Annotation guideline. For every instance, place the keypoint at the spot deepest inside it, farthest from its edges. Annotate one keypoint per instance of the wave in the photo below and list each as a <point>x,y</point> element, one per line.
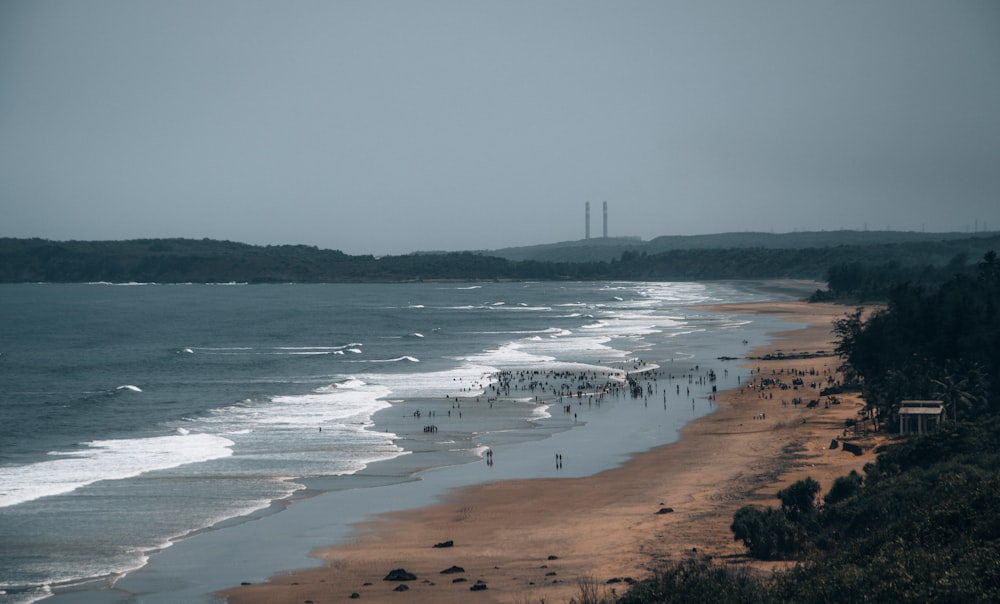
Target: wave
<point>344,405</point>
<point>394,360</point>
<point>353,347</point>
<point>351,383</point>
<point>129,387</point>
<point>124,283</point>
<point>106,460</point>
<point>468,379</point>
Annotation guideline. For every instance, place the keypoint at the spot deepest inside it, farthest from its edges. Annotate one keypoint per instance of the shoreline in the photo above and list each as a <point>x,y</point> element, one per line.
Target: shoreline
<point>534,539</point>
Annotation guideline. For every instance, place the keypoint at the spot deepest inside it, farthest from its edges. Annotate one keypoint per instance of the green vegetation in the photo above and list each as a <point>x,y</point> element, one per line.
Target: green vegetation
<point>923,522</point>
<point>209,261</point>
<point>856,281</point>
<point>939,344</point>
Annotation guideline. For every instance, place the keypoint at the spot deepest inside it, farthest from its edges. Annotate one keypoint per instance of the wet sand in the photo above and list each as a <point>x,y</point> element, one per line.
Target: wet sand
<point>529,540</point>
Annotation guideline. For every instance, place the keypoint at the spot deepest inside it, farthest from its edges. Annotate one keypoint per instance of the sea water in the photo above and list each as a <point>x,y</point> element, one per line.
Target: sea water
<point>133,415</point>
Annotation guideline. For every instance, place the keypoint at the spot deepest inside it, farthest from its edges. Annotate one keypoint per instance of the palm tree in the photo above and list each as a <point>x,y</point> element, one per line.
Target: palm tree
<point>967,390</point>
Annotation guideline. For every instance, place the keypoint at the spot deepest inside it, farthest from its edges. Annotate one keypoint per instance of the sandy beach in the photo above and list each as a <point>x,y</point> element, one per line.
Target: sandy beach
<point>535,540</point>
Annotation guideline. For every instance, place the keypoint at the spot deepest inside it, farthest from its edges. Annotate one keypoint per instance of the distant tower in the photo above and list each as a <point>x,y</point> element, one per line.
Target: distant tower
<point>588,220</point>
<point>605,220</point>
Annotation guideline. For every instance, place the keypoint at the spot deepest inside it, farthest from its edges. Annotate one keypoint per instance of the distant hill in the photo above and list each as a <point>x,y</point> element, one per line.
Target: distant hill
<point>809,256</point>
<point>607,248</point>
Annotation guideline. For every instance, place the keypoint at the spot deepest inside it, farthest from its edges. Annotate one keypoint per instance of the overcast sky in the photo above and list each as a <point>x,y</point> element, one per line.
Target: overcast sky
<point>385,127</point>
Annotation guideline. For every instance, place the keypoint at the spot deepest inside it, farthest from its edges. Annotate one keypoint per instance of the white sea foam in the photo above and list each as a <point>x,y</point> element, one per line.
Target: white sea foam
<point>274,350</point>
<point>392,360</point>
<point>350,402</point>
<point>469,379</point>
<point>106,460</point>
<point>325,431</point>
<point>129,387</point>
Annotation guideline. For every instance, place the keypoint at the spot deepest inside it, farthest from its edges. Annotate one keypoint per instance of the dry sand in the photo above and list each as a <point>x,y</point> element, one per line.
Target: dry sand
<point>535,540</point>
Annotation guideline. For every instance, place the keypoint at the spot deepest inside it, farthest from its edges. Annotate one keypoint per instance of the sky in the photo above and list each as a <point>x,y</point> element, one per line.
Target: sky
<point>391,126</point>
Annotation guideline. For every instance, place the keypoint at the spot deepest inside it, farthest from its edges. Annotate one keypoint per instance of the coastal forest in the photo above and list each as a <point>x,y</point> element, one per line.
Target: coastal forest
<point>812,256</point>
<point>922,523</point>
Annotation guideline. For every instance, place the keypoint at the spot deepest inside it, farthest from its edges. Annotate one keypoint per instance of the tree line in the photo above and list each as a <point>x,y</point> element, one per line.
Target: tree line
<point>212,261</point>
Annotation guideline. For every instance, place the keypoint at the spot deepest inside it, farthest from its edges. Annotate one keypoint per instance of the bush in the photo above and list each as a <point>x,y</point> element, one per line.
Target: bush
<point>697,582</point>
<point>768,534</point>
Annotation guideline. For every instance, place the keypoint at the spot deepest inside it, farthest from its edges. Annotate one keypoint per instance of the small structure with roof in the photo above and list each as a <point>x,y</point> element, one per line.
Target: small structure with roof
<point>920,417</point>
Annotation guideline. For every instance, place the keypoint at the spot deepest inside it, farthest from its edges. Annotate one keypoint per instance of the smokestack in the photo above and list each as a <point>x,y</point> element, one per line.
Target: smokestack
<point>588,220</point>
<point>605,220</point>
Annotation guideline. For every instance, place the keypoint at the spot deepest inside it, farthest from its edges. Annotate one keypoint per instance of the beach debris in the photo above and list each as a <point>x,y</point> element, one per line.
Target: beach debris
<point>665,511</point>
<point>448,543</point>
<point>452,570</point>
<point>400,574</point>
<point>480,585</point>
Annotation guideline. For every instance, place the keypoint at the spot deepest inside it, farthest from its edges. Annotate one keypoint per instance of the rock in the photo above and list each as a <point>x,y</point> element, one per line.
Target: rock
<point>479,586</point>
<point>401,587</point>
<point>452,570</point>
<point>400,574</point>
<point>665,511</point>
<point>834,444</point>
<point>852,448</point>
<point>355,595</point>
<point>459,580</point>
<point>553,557</point>
<point>448,543</point>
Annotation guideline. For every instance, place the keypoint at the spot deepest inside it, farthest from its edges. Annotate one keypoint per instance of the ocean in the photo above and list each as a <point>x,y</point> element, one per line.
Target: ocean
<point>139,419</point>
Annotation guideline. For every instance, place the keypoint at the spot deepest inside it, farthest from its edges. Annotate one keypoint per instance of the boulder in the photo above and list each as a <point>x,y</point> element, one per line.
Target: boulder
<point>400,574</point>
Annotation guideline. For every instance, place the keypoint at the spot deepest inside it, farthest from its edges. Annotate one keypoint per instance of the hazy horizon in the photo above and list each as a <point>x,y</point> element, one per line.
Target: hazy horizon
<point>391,127</point>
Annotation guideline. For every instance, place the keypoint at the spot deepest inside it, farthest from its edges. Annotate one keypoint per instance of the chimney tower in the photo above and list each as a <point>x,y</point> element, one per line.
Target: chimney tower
<point>588,221</point>
<point>605,220</point>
